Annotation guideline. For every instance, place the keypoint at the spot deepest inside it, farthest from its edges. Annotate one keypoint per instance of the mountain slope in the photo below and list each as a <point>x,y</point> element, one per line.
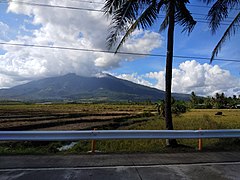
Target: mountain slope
<point>73,87</point>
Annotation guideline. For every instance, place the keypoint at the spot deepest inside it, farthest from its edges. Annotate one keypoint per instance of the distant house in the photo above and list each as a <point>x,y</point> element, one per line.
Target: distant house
<point>238,106</point>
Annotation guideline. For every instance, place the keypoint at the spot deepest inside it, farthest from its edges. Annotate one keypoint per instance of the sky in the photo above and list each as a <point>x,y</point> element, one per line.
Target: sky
<point>84,29</point>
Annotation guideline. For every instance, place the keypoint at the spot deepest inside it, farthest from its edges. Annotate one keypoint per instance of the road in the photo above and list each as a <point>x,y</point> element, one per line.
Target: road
<point>204,165</point>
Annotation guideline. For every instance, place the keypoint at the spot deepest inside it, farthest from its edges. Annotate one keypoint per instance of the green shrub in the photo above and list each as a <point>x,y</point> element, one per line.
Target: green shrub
<point>178,109</point>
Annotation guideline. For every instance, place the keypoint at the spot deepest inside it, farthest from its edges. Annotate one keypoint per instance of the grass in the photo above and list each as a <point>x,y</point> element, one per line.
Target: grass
<point>192,120</point>
<point>71,108</point>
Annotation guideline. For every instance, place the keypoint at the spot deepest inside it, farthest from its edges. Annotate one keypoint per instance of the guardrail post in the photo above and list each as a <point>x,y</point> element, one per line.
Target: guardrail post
<point>93,143</point>
<point>200,143</point>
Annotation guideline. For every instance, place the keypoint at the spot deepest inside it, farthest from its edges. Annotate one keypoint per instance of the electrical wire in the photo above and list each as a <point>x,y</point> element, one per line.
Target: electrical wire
<point>55,6</point>
<point>112,52</point>
<point>91,2</point>
<point>103,51</point>
<point>88,9</point>
<point>206,6</point>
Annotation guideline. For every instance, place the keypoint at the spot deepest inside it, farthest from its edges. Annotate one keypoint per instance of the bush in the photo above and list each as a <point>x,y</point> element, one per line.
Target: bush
<point>178,109</point>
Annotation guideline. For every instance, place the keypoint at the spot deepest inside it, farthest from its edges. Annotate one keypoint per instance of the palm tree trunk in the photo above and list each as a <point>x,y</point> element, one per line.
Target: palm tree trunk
<point>168,77</point>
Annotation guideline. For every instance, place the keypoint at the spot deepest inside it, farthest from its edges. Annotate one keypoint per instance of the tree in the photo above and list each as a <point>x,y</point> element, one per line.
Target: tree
<point>219,12</point>
<point>127,15</point>
<point>160,105</point>
<point>177,107</point>
<point>208,102</point>
<point>194,99</point>
<point>220,101</point>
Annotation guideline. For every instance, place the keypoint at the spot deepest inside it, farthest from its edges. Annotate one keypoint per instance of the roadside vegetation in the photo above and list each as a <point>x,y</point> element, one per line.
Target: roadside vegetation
<point>218,101</point>
<point>113,116</point>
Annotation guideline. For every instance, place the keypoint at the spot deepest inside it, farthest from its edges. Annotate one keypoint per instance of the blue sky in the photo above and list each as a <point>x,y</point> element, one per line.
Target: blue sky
<point>25,24</point>
<point>199,43</point>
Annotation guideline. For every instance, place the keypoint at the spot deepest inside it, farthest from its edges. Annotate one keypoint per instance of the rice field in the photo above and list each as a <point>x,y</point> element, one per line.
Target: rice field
<point>112,116</point>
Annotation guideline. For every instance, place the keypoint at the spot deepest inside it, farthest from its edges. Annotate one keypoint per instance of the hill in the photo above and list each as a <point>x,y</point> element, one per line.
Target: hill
<point>72,87</point>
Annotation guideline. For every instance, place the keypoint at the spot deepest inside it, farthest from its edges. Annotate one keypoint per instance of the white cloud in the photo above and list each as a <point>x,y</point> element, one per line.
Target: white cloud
<point>143,42</point>
<point>135,78</point>
<point>5,81</point>
<point>70,28</point>
<point>4,28</point>
<point>203,79</point>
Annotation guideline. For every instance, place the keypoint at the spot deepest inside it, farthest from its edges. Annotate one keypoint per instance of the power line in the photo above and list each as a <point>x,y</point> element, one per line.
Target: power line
<point>205,15</point>
<point>202,19</point>
<point>224,24</point>
<point>55,6</point>
<point>86,9</point>
<point>112,52</point>
<point>83,9</point>
<point>193,5</point>
<point>206,6</point>
<point>93,2</point>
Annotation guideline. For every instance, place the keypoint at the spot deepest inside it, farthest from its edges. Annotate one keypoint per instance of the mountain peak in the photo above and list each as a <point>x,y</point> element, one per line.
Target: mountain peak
<point>78,88</point>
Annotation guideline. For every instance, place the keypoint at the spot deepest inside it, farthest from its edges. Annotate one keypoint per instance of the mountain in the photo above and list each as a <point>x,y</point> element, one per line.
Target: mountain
<point>77,88</point>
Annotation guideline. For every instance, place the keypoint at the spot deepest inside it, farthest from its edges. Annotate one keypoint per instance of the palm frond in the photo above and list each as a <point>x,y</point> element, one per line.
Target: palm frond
<point>164,24</point>
<point>111,5</point>
<point>227,34</point>
<point>148,17</point>
<point>145,20</point>
<point>160,5</point>
<point>233,4</point>
<point>184,17</point>
<point>230,3</point>
<point>120,19</point>
<point>219,11</point>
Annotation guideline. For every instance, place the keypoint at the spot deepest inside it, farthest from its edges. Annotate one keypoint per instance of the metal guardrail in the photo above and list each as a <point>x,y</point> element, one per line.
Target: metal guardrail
<point>116,134</point>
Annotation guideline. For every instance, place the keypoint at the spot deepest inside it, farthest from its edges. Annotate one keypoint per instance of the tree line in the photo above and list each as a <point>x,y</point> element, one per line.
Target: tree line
<point>218,101</point>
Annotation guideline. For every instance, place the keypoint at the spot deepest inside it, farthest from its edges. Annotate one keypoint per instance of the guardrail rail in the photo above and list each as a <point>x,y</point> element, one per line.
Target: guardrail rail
<point>116,134</point>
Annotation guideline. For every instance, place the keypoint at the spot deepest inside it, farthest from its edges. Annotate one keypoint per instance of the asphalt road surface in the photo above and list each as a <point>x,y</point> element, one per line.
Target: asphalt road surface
<point>214,165</point>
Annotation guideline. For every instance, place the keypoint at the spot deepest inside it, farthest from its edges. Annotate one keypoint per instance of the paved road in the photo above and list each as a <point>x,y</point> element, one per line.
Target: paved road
<point>221,165</point>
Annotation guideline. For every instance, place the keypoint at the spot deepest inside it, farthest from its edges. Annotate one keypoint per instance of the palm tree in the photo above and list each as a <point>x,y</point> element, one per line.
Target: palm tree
<point>194,99</point>
<point>219,12</point>
<point>160,105</point>
<point>127,15</point>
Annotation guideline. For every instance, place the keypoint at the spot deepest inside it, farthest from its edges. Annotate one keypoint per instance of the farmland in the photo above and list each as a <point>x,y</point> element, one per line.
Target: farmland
<point>70,116</point>
<point>111,116</point>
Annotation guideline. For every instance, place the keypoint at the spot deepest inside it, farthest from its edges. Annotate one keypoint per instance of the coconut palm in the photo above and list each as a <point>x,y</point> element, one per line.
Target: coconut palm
<point>160,105</point>
<point>219,12</point>
<point>128,15</point>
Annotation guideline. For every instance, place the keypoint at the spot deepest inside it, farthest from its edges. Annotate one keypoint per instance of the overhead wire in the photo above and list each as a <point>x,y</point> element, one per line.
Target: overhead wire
<point>207,6</point>
<point>91,2</point>
<point>54,6</point>
<point>113,52</point>
<point>95,50</point>
<point>84,9</point>
<point>193,5</point>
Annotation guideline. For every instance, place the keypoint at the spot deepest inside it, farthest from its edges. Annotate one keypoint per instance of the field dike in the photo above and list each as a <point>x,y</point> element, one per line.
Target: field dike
<point>106,121</point>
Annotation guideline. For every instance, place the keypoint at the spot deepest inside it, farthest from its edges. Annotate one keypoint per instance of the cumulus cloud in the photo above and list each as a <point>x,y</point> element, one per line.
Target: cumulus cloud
<point>67,28</point>
<point>135,78</point>
<point>4,30</point>
<point>203,79</point>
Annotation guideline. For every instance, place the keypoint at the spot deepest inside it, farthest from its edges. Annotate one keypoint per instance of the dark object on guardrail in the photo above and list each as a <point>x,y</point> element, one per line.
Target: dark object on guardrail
<point>219,113</point>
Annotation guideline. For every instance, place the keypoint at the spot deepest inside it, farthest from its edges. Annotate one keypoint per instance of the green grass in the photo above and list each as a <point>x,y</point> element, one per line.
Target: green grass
<point>192,120</point>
